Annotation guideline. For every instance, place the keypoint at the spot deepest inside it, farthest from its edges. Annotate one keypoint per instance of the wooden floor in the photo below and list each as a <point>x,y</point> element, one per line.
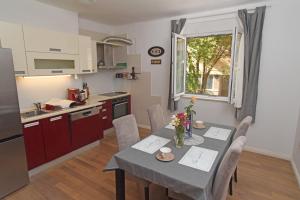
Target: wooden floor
<point>260,178</point>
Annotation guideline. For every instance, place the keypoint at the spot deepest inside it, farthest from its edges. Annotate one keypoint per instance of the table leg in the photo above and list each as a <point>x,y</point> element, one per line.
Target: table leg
<point>120,184</point>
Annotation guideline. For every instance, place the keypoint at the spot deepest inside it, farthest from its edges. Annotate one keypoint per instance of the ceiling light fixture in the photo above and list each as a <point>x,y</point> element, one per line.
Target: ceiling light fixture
<point>37,77</point>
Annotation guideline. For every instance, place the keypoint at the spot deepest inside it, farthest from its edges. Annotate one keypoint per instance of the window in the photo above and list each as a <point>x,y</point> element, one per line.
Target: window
<point>208,66</point>
<point>179,64</point>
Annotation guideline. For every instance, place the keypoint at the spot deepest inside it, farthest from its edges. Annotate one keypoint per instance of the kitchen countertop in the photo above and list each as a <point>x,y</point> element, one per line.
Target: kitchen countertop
<point>95,100</point>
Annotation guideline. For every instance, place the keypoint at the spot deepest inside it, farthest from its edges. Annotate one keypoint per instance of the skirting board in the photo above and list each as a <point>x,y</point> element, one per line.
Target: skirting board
<point>62,159</point>
<point>296,172</point>
<point>267,153</point>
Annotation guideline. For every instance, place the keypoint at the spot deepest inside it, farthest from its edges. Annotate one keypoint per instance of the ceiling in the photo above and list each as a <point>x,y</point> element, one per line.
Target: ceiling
<point>118,12</point>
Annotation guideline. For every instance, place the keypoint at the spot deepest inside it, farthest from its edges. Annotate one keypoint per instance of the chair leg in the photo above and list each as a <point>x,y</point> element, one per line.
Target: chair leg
<point>146,193</point>
<point>235,175</point>
<point>230,186</point>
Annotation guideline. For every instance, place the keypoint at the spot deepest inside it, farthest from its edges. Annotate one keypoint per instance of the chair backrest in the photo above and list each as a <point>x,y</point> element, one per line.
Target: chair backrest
<point>126,131</point>
<point>243,127</point>
<point>156,117</point>
<point>226,168</point>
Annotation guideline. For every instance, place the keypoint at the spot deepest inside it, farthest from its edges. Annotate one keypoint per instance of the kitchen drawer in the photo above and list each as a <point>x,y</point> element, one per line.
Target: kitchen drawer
<point>106,114</point>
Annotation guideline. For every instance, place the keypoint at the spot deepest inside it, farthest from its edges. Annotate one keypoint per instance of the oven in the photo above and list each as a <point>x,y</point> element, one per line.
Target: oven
<point>120,107</point>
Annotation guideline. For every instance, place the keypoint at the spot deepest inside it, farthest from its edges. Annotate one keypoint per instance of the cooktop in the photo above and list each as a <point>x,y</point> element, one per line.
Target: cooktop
<point>111,94</point>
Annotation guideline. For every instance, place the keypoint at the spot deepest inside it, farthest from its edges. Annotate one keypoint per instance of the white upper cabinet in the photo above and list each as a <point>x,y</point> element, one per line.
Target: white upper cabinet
<point>41,64</point>
<point>11,36</point>
<point>41,40</point>
<point>85,55</point>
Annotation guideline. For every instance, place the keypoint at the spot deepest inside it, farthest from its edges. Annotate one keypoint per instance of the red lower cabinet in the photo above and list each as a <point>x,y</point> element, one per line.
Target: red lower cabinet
<point>56,136</point>
<point>86,131</point>
<point>106,114</point>
<point>34,144</point>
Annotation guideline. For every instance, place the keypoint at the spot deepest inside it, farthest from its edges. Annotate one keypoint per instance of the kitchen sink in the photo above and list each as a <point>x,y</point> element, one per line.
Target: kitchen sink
<point>33,113</point>
<point>111,94</point>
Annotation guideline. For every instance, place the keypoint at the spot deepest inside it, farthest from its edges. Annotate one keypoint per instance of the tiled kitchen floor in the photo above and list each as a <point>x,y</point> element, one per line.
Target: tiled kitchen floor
<point>260,178</point>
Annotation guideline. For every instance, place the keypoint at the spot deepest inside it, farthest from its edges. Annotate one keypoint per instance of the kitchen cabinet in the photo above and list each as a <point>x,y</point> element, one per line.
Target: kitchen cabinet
<point>11,36</point>
<point>109,55</point>
<point>51,63</point>
<point>106,114</point>
<point>34,144</point>
<point>85,55</point>
<point>56,136</point>
<point>46,41</point>
<point>129,104</point>
<point>86,127</point>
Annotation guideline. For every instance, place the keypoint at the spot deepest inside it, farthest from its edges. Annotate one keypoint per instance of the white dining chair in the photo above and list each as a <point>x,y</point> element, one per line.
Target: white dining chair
<point>224,172</point>
<point>241,130</point>
<point>128,134</point>
<point>156,117</point>
<point>243,127</point>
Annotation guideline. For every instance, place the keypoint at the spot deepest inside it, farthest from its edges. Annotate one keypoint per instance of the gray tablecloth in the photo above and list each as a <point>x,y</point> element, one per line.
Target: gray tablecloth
<point>194,183</point>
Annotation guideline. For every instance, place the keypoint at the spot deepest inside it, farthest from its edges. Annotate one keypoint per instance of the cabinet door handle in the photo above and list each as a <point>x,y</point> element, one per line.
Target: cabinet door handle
<point>86,70</point>
<point>105,117</point>
<point>55,118</point>
<point>88,113</point>
<point>32,124</point>
<point>55,49</point>
<point>104,110</point>
<point>57,71</point>
<point>19,72</point>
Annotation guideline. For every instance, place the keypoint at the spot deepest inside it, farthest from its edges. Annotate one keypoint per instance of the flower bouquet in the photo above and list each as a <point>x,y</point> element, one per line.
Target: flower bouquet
<point>179,122</point>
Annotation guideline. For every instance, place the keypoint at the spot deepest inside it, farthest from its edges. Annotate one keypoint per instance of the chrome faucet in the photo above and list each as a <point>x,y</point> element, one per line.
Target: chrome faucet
<point>38,106</point>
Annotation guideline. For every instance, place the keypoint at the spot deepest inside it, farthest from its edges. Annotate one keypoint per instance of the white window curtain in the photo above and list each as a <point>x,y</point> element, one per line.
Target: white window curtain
<point>236,97</point>
<point>238,73</point>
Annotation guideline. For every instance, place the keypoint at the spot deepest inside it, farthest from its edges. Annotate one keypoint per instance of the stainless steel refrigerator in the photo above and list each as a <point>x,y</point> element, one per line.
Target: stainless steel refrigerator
<point>13,167</point>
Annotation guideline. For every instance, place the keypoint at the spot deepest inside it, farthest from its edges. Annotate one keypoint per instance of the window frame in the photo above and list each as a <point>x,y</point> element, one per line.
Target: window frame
<point>207,34</point>
<point>174,62</point>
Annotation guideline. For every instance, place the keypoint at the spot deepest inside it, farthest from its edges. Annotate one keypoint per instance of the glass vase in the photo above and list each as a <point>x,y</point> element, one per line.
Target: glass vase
<point>179,140</point>
<point>189,128</point>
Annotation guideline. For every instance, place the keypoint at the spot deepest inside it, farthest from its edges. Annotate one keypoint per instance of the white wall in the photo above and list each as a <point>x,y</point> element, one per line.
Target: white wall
<point>278,98</point>
<point>146,35</point>
<point>34,13</point>
<point>41,89</point>
<point>296,152</point>
<point>94,26</point>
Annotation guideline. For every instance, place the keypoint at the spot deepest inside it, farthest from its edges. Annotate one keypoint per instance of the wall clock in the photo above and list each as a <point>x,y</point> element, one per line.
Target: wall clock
<point>156,51</point>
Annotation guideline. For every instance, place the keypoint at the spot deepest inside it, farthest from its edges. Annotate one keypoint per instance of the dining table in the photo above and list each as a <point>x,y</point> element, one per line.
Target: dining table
<point>177,175</point>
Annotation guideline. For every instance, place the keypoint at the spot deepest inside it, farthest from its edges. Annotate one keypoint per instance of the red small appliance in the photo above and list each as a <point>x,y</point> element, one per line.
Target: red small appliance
<point>73,94</point>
